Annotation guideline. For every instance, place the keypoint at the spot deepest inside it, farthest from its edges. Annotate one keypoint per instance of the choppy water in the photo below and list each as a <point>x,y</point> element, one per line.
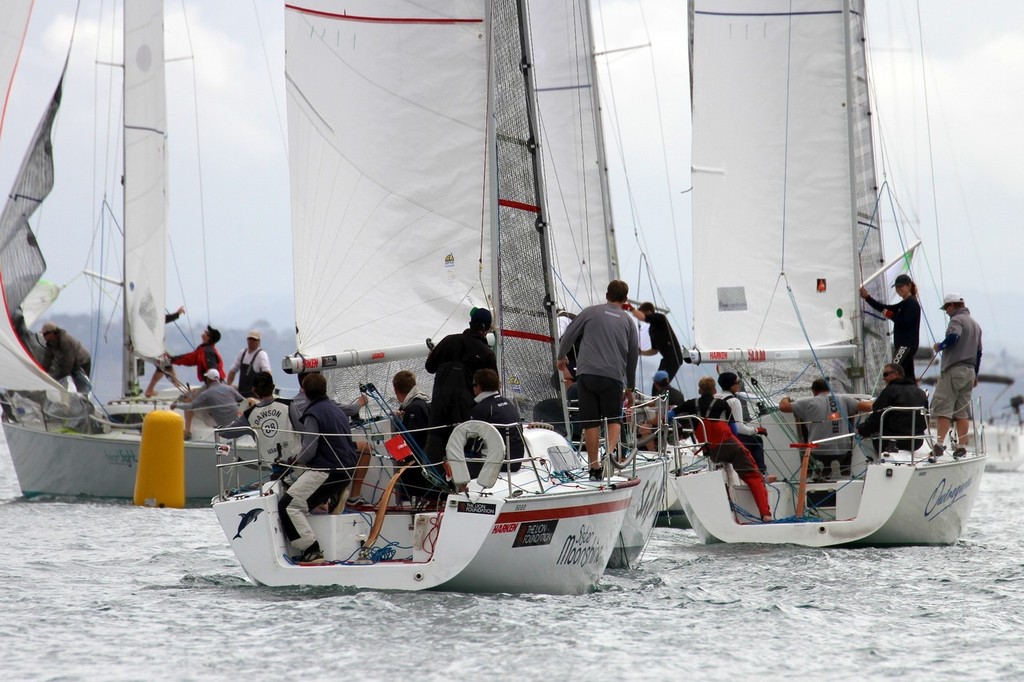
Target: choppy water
<point>94,590</point>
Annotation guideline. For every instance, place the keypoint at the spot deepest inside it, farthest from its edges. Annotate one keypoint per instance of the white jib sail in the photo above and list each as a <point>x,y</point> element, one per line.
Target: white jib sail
<point>583,255</point>
<point>387,121</point>
<point>771,175</point>
<point>145,183</point>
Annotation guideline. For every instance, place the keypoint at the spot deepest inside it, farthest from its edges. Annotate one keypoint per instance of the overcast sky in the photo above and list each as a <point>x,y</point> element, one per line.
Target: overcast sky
<point>960,155</point>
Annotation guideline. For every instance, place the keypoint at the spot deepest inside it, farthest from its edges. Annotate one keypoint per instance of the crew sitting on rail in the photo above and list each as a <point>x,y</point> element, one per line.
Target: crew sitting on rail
<point>494,408</point>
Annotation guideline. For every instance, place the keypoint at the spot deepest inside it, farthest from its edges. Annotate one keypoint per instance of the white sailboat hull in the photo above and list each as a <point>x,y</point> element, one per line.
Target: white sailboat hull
<point>642,513</point>
<point>1005,447</point>
<point>894,504</point>
<point>100,465</point>
<point>673,511</point>
<point>549,543</point>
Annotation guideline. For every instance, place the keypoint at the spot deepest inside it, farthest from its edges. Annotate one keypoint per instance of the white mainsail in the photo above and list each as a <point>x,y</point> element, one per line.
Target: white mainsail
<point>16,14</point>
<point>583,245</point>
<point>387,113</point>
<point>784,225</point>
<point>145,177</point>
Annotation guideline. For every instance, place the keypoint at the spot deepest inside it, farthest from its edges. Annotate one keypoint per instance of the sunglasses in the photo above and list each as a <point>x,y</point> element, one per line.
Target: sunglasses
<point>888,374</point>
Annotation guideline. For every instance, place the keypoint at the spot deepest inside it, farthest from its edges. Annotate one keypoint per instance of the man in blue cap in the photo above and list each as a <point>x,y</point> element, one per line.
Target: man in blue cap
<point>453,361</point>
<point>663,384</point>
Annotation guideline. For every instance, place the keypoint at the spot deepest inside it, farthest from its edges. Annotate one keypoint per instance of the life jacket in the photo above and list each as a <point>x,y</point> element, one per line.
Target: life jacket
<point>275,440</point>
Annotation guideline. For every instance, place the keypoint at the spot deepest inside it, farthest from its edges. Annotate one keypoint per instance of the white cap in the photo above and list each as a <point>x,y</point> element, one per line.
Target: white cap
<point>212,375</point>
<point>952,298</point>
<point>254,334</point>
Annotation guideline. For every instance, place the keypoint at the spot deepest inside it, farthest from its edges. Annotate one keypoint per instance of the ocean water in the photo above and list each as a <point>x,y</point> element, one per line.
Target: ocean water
<point>101,591</point>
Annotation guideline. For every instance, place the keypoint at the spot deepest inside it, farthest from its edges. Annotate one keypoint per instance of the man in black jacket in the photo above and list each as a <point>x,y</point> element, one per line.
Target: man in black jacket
<point>452,362</point>
<point>663,339</point>
<point>494,408</point>
<point>899,391</point>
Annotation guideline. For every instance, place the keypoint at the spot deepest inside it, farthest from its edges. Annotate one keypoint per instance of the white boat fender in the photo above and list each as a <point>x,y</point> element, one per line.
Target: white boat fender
<point>493,451</point>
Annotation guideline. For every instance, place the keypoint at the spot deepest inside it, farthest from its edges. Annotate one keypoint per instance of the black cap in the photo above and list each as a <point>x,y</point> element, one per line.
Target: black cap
<point>902,279</point>
<point>213,334</point>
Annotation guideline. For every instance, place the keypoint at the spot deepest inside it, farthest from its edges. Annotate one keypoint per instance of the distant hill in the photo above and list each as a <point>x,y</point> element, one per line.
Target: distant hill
<point>999,328</point>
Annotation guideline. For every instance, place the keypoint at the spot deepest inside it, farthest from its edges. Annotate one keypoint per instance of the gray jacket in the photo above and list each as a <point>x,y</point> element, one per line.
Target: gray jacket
<point>967,348</point>
<point>220,399</point>
<point>64,355</point>
<point>609,346</point>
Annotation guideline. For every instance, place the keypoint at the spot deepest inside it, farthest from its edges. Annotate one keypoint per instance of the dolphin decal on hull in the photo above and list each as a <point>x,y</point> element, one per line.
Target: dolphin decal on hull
<point>247,518</point>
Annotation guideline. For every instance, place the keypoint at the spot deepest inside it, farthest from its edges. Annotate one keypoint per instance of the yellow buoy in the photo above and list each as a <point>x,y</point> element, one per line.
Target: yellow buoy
<point>160,479</point>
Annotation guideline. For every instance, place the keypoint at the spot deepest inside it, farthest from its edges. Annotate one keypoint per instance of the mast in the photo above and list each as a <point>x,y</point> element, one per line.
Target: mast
<point>538,177</point>
<point>129,371</point>
<point>857,373</point>
<point>525,291</point>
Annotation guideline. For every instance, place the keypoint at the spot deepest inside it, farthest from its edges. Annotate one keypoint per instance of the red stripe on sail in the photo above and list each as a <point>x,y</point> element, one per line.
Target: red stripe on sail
<point>382,20</point>
<point>519,205</point>
<point>527,335</point>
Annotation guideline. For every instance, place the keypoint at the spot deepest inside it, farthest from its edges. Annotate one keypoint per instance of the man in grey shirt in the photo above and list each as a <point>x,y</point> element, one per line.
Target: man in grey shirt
<point>217,403</point>
<point>961,362</point>
<point>605,367</point>
<point>825,415</point>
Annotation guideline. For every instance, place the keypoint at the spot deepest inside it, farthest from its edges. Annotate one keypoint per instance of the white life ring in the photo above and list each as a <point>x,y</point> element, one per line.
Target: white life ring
<point>493,451</point>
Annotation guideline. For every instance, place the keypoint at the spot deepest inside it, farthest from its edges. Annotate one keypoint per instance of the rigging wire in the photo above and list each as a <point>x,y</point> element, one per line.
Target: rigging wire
<point>928,134</point>
<point>639,235</point>
<point>270,78</point>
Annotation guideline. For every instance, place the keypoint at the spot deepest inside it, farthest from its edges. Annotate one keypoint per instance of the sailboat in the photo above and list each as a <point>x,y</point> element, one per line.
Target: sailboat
<point>62,444</point>
<point>785,233</point>
<point>415,195</point>
<point>584,255</point>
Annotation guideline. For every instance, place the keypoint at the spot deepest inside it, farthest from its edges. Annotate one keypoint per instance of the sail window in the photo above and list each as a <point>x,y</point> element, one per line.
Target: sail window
<point>732,299</point>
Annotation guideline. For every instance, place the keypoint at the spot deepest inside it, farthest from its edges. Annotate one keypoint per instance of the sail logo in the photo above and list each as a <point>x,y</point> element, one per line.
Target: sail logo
<point>514,383</point>
<point>581,549</point>
<point>500,528</point>
<point>944,496</point>
<point>535,534</point>
<point>449,261</point>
